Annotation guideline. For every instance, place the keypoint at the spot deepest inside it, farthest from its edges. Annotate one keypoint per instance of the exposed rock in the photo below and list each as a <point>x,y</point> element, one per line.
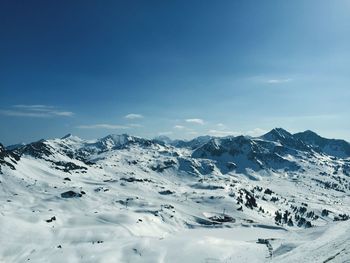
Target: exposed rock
<point>70,194</point>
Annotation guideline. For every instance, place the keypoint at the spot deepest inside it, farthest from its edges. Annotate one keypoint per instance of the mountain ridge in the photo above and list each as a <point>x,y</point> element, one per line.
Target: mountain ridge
<point>70,194</point>
<point>276,134</point>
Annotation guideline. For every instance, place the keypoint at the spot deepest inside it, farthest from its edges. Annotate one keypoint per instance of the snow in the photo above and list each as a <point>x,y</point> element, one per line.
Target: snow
<point>150,202</point>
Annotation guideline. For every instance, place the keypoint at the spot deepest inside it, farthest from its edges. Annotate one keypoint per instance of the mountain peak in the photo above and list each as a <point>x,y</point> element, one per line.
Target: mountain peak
<point>277,134</point>
<point>69,135</point>
<point>308,133</point>
<point>15,146</point>
<point>114,141</point>
<point>334,147</point>
<point>116,137</point>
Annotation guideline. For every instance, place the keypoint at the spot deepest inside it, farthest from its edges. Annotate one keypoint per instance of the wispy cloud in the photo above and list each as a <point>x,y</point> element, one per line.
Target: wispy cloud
<point>62,113</point>
<point>14,113</point>
<point>179,127</point>
<point>103,126</point>
<point>135,125</point>
<point>165,133</point>
<point>132,116</point>
<point>270,79</point>
<point>34,107</point>
<point>278,81</point>
<point>35,111</point>
<point>196,121</point>
<point>221,126</point>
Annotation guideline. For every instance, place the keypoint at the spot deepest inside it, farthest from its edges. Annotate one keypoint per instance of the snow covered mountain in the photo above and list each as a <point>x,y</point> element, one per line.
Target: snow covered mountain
<point>334,147</point>
<point>280,197</point>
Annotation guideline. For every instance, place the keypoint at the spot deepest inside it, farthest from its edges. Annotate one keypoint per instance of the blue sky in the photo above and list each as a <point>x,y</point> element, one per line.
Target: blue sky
<point>176,68</point>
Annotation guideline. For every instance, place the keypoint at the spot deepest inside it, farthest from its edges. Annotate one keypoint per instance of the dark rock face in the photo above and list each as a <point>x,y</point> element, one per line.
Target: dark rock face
<point>51,219</point>
<point>268,191</point>
<point>341,217</point>
<point>37,149</point>
<point>163,166</point>
<point>166,192</point>
<point>71,194</point>
<point>68,166</point>
<point>133,179</point>
<point>12,158</point>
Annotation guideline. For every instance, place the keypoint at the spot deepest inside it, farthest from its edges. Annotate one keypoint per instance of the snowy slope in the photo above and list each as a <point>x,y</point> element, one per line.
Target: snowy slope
<point>122,198</point>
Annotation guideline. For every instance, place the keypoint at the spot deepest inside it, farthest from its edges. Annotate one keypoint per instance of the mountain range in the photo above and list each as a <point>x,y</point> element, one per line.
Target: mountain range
<point>279,197</point>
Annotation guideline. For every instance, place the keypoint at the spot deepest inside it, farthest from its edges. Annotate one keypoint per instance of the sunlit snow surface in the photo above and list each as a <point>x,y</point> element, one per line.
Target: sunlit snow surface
<point>156,203</point>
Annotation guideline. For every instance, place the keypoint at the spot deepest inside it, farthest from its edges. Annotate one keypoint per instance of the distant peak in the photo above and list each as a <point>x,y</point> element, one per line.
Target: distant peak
<point>69,135</point>
<point>280,131</point>
<point>116,136</point>
<point>309,132</point>
<point>277,133</point>
<point>308,135</point>
<point>14,146</point>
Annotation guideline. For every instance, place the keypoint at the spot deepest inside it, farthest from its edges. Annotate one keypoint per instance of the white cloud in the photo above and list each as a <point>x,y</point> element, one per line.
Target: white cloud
<point>135,125</point>
<point>35,111</point>
<point>221,126</point>
<point>132,116</point>
<point>14,113</point>
<point>34,107</point>
<point>165,133</point>
<point>62,113</point>
<point>103,126</point>
<point>179,127</point>
<point>196,121</point>
<point>278,81</point>
<point>270,80</point>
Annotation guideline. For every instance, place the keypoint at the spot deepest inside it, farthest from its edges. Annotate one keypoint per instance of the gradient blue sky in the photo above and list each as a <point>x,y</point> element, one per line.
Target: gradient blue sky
<point>178,68</point>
